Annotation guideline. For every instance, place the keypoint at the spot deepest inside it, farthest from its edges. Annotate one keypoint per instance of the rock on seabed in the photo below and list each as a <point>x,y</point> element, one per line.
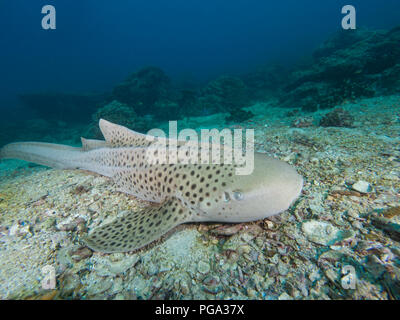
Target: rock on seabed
<point>321,232</point>
<point>362,187</point>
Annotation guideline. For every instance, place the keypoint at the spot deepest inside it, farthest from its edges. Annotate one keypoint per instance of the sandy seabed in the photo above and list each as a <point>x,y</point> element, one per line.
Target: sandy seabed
<point>339,240</point>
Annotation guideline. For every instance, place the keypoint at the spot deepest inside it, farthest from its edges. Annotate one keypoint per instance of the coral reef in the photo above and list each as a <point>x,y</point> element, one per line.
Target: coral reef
<point>168,110</point>
<point>349,65</point>
<point>303,122</point>
<point>265,81</point>
<point>359,63</point>
<point>224,94</point>
<point>340,40</point>
<point>143,89</point>
<point>186,100</point>
<point>239,115</point>
<point>337,118</point>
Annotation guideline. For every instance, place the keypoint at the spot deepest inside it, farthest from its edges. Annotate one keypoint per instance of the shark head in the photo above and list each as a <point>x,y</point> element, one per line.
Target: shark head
<point>270,189</point>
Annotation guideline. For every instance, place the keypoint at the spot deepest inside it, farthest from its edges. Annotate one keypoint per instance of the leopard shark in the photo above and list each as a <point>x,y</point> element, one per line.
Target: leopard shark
<point>180,192</point>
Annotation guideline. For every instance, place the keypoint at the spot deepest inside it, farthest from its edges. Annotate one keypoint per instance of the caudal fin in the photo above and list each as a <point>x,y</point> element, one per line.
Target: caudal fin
<point>47,154</point>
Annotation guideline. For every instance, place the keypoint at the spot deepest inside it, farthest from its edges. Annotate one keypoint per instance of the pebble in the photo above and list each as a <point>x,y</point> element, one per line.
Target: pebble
<point>251,293</point>
<point>212,284</point>
<point>393,177</point>
<point>357,224</point>
<point>353,213</point>
<point>13,230</point>
<point>18,230</point>
<point>50,213</point>
<point>48,224</point>
<point>314,275</point>
<point>98,286</point>
<point>184,287</point>
<point>332,275</point>
<point>70,283</point>
<point>58,239</point>
<point>227,230</point>
<point>121,267</point>
<point>203,267</point>
<point>396,251</point>
<point>362,187</point>
<point>112,266</point>
<point>390,229</point>
<point>283,268</point>
<point>285,296</point>
<point>70,224</point>
<point>321,232</point>
<point>152,269</point>
<point>81,253</point>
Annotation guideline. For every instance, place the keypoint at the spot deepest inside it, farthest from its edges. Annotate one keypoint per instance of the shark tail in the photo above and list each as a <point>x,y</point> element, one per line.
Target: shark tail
<point>47,154</point>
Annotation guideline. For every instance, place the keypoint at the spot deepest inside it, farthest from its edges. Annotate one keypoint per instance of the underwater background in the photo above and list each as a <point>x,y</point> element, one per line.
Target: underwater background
<point>323,99</point>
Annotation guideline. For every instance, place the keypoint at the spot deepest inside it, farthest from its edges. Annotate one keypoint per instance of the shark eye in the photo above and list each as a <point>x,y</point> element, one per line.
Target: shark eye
<point>238,195</point>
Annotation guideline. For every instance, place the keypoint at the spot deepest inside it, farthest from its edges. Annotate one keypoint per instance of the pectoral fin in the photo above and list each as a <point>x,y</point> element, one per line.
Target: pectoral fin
<point>137,229</point>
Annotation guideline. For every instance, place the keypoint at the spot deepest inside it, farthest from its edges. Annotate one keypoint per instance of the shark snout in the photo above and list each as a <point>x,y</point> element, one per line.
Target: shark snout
<point>270,189</point>
<point>283,186</point>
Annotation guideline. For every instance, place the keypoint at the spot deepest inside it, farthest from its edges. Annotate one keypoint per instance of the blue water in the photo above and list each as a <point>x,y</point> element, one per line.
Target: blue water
<point>98,43</point>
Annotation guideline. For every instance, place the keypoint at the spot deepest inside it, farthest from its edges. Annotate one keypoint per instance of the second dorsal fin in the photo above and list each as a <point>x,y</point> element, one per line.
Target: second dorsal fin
<point>90,144</point>
<point>119,136</point>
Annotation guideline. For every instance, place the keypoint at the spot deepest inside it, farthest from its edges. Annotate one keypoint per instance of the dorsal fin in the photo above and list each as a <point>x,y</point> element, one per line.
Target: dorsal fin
<point>119,136</point>
<point>91,144</point>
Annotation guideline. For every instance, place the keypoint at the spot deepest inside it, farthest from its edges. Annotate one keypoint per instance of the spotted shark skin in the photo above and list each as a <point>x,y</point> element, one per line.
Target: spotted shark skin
<point>181,192</point>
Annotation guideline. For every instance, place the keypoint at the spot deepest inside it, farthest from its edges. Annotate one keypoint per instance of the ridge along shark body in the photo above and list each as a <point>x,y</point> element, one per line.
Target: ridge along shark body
<point>181,192</point>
